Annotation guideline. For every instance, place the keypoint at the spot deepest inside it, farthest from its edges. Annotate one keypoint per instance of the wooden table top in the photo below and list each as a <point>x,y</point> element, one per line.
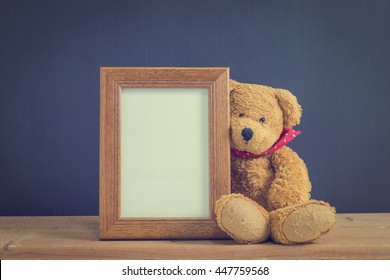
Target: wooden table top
<point>357,236</point>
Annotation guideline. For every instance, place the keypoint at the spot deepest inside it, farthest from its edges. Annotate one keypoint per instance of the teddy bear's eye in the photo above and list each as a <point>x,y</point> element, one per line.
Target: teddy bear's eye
<point>241,115</point>
<point>262,120</point>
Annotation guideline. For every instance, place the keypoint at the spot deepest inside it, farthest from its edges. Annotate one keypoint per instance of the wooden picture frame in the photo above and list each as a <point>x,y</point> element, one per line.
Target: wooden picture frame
<point>114,84</point>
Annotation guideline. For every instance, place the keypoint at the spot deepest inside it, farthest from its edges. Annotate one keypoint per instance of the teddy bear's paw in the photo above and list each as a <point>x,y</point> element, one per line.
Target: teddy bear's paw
<point>242,219</point>
<point>308,223</point>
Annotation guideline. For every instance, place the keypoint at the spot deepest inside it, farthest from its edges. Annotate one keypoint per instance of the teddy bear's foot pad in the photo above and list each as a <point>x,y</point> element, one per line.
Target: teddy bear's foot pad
<point>308,223</point>
<point>242,219</point>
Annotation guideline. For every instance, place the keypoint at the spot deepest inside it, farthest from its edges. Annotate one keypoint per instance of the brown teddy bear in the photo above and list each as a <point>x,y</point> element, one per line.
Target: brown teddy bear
<point>270,182</point>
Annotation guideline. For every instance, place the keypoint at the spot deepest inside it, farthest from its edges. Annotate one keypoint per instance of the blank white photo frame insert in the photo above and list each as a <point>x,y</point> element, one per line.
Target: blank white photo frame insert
<point>164,153</point>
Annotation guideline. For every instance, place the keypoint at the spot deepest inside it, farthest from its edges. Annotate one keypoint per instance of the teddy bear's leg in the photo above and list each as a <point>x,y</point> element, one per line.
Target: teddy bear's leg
<point>302,223</point>
<point>242,218</point>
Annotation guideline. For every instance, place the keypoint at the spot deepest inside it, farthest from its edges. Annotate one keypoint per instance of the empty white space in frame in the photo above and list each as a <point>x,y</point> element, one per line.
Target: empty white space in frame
<point>164,153</point>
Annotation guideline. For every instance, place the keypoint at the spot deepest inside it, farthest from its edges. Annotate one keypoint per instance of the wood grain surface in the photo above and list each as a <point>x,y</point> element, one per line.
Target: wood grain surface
<point>357,236</point>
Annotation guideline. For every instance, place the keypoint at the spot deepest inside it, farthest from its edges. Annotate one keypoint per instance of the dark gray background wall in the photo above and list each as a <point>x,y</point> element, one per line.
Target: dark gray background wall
<point>334,55</point>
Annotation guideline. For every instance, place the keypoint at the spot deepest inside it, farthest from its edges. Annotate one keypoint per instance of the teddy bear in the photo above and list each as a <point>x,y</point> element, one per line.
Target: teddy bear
<point>269,181</point>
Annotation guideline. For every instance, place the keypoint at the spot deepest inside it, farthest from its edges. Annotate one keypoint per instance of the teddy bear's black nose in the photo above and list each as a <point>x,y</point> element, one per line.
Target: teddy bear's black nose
<point>247,134</point>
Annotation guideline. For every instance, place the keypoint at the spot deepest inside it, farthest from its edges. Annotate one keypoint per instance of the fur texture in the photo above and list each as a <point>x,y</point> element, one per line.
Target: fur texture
<point>278,182</point>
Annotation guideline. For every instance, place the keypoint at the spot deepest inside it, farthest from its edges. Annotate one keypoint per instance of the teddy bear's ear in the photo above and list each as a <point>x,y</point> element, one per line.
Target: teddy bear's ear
<point>232,85</point>
<point>292,111</point>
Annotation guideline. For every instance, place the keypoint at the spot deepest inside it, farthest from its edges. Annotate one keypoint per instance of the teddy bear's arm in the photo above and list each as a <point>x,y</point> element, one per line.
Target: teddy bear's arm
<point>291,185</point>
